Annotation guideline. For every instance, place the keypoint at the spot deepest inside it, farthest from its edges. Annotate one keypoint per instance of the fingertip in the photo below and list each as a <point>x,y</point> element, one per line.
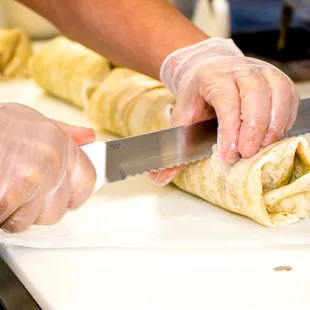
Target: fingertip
<point>230,157</point>
<point>11,226</point>
<point>82,180</point>
<point>163,177</point>
<point>156,179</point>
<point>79,197</point>
<point>228,152</point>
<point>47,220</point>
<point>251,138</point>
<point>55,203</point>
<point>80,135</point>
<point>248,150</point>
<point>272,136</point>
<point>24,216</point>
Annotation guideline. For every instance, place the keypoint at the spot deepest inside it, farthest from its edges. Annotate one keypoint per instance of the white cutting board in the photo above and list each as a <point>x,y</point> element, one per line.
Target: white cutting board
<point>135,213</point>
<point>202,267</point>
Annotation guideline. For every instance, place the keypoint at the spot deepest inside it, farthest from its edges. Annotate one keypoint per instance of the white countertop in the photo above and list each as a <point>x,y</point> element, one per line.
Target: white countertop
<point>117,279</point>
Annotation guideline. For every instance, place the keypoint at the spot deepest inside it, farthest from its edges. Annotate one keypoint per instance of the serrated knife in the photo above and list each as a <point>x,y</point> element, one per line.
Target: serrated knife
<point>116,160</point>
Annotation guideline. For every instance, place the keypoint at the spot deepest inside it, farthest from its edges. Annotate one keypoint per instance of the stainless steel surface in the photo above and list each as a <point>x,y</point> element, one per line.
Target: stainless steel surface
<point>159,150</point>
<point>302,123</point>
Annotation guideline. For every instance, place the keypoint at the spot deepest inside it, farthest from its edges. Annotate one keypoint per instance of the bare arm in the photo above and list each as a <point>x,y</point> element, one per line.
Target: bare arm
<point>137,34</point>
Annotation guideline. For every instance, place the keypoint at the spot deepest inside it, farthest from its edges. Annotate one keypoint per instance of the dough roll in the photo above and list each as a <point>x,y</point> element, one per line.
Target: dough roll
<point>15,51</point>
<point>273,187</point>
<point>128,103</point>
<point>68,70</point>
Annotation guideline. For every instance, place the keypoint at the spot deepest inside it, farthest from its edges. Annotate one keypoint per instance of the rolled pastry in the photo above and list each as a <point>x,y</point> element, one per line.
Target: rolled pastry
<point>15,51</point>
<point>125,97</point>
<point>68,70</point>
<point>272,187</point>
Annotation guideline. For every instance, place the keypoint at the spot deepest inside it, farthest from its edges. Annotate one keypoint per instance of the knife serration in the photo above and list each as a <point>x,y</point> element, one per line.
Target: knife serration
<point>159,150</point>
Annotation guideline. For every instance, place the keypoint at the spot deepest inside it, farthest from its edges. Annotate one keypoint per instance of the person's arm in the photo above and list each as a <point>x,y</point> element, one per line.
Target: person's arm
<point>138,34</point>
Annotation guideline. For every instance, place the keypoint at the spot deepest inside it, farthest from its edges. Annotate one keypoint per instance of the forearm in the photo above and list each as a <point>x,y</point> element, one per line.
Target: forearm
<point>137,34</point>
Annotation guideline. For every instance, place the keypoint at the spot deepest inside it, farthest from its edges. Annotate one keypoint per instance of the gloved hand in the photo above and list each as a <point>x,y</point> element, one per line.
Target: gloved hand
<point>43,172</point>
<point>255,103</point>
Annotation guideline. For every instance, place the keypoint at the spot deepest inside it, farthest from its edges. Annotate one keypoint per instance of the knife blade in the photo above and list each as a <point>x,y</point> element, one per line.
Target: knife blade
<point>302,123</point>
<point>117,159</point>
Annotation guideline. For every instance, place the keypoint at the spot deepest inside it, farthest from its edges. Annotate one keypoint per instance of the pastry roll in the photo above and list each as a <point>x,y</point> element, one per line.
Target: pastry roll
<point>272,187</point>
<point>68,70</point>
<point>125,97</point>
<point>15,51</point>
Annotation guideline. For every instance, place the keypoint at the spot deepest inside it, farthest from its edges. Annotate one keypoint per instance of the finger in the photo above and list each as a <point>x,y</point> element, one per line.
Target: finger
<point>6,210</point>
<point>9,200</point>
<point>255,110</point>
<point>163,177</point>
<point>223,94</point>
<point>190,109</point>
<point>24,216</point>
<point>282,105</point>
<point>82,176</point>
<point>190,105</point>
<point>80,135</point>
<point>55,203</point>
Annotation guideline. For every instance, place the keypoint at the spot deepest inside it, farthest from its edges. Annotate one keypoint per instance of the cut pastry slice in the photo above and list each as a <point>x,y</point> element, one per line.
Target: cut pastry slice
<point>273,187</point>
<point>68,70</point>
<point>114,101</point>
<point>15,51</point>
<point>153,109</point>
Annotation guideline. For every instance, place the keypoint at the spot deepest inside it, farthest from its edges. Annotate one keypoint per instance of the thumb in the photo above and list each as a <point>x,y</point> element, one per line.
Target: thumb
<point>190,108</point>
<point>80,135</point>
<point>163,177</point>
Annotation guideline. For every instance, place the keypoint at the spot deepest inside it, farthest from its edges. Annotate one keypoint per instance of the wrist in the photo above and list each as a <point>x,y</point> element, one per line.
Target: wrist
<point>176,64</point>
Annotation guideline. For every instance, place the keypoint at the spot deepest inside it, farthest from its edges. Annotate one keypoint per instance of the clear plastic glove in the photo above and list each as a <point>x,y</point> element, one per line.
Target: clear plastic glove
<point>43,171</point>
<point>255,102</point>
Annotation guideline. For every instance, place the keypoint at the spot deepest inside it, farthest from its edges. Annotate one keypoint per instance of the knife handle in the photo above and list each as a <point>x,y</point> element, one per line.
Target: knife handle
<point>96,152</point>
